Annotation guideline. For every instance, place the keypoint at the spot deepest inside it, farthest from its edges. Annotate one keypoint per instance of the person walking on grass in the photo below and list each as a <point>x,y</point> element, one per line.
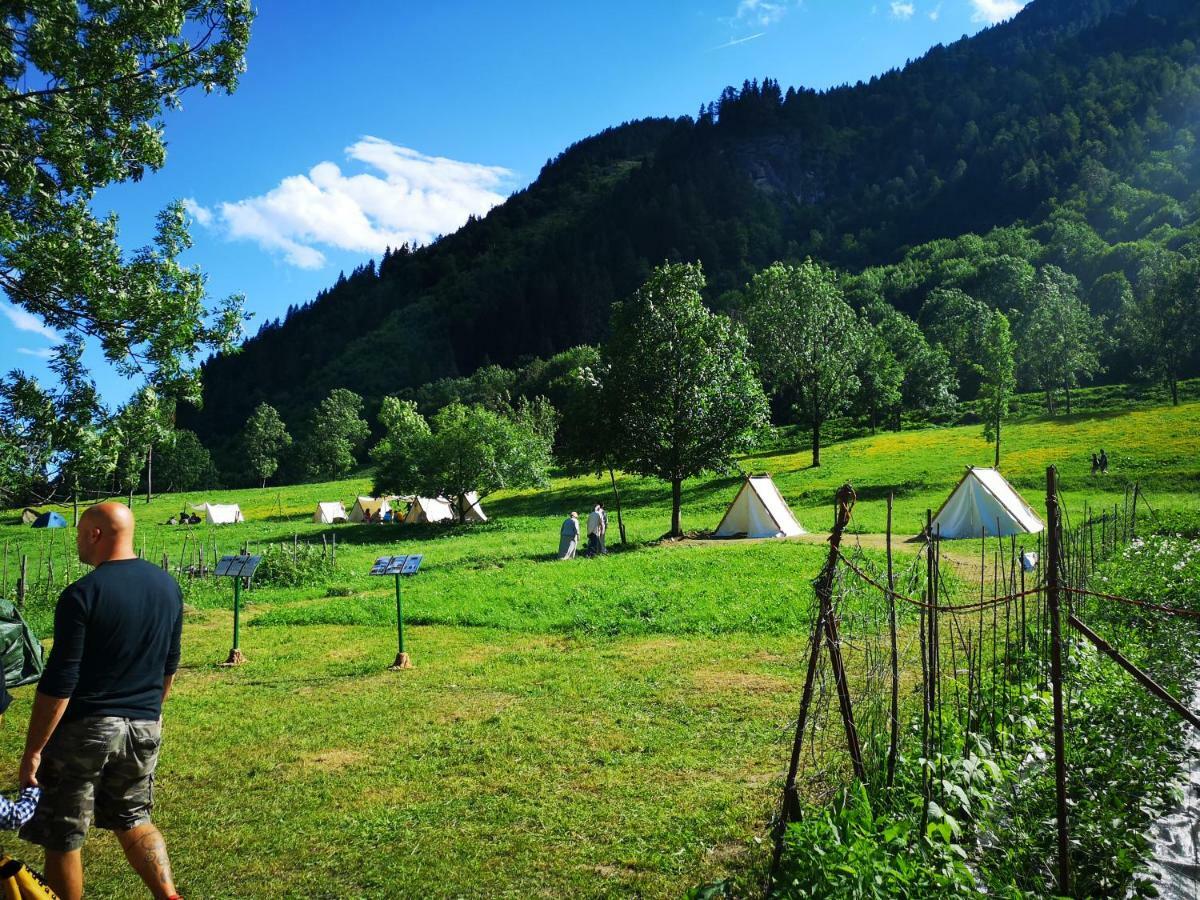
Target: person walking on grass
<point>603,528</point>
<point>568,537</point>
<point>1103,462</point>
<point>96,725</point>
<point>595,531</point>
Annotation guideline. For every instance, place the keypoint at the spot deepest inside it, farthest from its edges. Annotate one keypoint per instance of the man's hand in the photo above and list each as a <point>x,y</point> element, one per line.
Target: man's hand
<point>29,767</point>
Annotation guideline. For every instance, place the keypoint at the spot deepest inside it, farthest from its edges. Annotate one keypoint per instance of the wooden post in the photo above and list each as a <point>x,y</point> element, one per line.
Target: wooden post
<point>23,580</point>
<point>166,563</point>
<point>1054,538</point>
<point>824,591</point>
<point>894,740</point>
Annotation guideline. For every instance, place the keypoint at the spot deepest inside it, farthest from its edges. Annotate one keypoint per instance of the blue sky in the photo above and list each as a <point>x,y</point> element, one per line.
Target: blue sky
<point>392,121</point>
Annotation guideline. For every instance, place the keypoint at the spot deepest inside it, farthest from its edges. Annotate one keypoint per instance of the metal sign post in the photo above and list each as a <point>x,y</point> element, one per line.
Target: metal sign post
<point>400,567</point>
<point>237,568</point>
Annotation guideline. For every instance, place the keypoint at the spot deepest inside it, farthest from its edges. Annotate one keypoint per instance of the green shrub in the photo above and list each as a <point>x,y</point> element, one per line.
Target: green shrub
<point>294,566</point>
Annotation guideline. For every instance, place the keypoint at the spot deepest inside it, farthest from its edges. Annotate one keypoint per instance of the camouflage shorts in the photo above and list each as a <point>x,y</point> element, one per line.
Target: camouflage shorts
<point>100,764</point>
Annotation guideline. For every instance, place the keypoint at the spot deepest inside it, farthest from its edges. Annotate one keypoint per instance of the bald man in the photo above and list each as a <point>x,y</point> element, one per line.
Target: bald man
<point>97,715</point>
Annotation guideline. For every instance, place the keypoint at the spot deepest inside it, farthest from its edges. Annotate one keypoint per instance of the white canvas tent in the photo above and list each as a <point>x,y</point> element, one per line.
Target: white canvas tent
<point>429,509</point>
<point>328,513</point>
<point>366,507</point>
<point>474,511</point>
<point>220,513</point>
<point>758,511</point>
<point>984,503</point>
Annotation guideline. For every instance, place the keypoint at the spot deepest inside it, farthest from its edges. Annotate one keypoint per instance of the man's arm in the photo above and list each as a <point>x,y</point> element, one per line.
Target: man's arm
<point>47,712</point>
<point>167,682</point>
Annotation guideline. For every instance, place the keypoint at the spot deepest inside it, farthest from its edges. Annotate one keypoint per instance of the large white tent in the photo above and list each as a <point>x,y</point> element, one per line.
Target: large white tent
<point>221,513</point>
<point>366,507</point>
<point>429,509</point>
<point>328,513</point>
<point>758,511</point>
<point>984,503</point>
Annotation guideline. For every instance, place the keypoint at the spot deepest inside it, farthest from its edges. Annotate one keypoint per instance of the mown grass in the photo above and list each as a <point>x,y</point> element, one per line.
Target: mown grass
<point>598,727</point>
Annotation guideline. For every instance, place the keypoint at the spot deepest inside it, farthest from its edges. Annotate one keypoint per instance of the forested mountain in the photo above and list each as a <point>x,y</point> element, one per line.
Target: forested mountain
<point>1064,136</point>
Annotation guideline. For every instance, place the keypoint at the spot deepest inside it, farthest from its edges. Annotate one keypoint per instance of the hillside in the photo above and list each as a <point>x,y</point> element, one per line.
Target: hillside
<point>1068,128</point>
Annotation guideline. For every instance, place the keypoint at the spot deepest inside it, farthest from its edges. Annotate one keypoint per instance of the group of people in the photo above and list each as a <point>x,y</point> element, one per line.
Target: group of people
<point>1100,463</point>
<point>597,528</point>
<point>184,519</point>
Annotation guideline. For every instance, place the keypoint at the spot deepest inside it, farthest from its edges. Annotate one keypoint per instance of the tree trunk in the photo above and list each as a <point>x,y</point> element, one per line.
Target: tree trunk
<point>1174,382</point>
<point>75,506</point>
<point>816,444</point>
<point>676,493</point>
<point>996,462</point>
<point>1067,389</point>
<point>617,502</point>
<point>149,473</point>
<point>264,482</point>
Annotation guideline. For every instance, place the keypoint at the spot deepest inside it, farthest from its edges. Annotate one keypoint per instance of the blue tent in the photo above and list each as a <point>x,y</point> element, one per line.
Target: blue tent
<point>50,520</point>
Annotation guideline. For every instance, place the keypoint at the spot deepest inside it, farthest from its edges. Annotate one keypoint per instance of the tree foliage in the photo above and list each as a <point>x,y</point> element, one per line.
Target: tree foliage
<point>997,369</point>
<point>264,439</point>
<point>685,395</point>
<point>398,455</point>
<point>1060,340</point>
<point>334,435</point>
<point>83,89</point>
<point>1162,324</point>
<point>807,339</point>
<point>184,464</point>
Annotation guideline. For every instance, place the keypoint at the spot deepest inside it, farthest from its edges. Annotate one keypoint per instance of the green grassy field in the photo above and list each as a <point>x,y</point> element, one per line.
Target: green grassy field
<point>599,727</point>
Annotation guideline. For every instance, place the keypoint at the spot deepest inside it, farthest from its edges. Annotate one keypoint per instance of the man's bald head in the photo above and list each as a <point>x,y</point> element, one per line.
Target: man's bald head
<point>105,532</point>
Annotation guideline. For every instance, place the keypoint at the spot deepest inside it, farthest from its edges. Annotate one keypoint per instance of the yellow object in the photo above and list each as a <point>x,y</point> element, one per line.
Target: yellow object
<point>19,882</point>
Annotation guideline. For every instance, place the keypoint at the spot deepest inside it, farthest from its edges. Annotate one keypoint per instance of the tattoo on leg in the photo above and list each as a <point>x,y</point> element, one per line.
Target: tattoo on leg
<point>153,851</point>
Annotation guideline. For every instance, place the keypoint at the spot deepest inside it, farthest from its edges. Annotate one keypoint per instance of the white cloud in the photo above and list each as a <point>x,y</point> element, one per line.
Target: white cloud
<point>44,353</point>
<point>902,10</point>
<point>935,13</point>
<point>761,12</point>
<point>196,211</point>
<point>408,197</point>
<point>27,321</point>
<point>993,11</point>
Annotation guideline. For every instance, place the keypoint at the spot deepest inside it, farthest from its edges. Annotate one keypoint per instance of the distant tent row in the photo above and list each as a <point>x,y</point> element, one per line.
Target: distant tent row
<point>420,510</point>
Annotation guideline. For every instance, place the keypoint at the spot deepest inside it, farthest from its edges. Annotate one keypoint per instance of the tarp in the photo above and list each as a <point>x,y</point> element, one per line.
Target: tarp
<point>221,513</point>
<point>29,516</point>
<point>429,509</point>
<point>328,513</point>
<point>758,511</point>
<point>49,520</point>
<point>984,503</point>
<point>365,507</point>
<point>20,651</point>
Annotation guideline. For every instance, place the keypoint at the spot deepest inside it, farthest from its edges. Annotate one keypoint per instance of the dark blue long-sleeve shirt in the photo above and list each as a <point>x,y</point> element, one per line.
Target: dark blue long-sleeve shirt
<point>116,639</point>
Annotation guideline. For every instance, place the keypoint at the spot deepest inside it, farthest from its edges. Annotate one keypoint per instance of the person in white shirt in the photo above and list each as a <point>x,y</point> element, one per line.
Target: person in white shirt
<point>595,527</point>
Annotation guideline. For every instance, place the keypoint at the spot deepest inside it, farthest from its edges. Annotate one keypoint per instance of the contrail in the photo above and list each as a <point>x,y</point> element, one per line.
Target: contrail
<point>738,41</point>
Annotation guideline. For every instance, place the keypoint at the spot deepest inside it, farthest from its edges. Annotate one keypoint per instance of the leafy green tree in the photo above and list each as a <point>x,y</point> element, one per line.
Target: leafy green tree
<point>397,456</point>
<point>83,89</point>
<point>681,382</point>
<point>1162,324</point>
<point>335,433</point>
<point>997,369</point>
<point>880,379</point>
<point>958,323</point>
<point>472,448</point>
<point>27,423</point>
<point>928,386</point>
<point>184,464</point>
<point>264,438</point>
<point>806,338</point>
<point>138,426</point>
<point>1060,341</point>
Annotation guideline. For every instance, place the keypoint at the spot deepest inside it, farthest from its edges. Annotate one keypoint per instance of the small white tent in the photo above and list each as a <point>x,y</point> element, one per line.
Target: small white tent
<point>366,507</point>
<point>758,511</point>
<point>429,509</point>
<point>474,512</point>
<point>328,513</point>
<point>221,513</point>
<point>984,503</point>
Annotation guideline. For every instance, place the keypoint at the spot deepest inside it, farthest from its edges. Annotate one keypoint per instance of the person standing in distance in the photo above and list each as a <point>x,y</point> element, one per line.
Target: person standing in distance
<point>96,724</point>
